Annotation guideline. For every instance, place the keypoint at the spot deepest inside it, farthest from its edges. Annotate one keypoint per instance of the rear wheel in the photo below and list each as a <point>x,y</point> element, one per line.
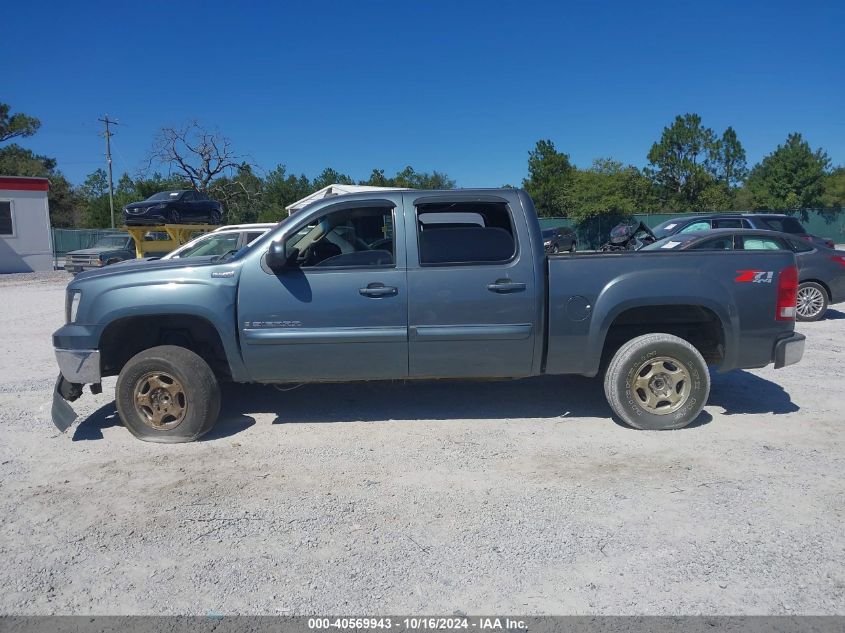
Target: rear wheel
<point>657,382</point>
<point>572,247</point>
<point>812,301</point>
<point>167,394</point>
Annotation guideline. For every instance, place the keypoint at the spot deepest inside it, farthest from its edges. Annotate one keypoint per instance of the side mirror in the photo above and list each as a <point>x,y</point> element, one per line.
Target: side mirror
<point>279,259</point>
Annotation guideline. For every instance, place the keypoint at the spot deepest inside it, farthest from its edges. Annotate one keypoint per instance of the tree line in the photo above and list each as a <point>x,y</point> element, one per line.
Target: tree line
<point>690,168</point>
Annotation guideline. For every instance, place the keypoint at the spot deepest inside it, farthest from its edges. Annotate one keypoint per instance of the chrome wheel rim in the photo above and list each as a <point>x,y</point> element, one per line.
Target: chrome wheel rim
<point>160,400</point>
<point>661,385</point>
<point>810,302</point>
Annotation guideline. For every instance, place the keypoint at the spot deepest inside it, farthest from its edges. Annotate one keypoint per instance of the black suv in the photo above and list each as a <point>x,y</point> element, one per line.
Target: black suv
<point>185,206</point>
<point>559,239</point>
<point>765,221</point>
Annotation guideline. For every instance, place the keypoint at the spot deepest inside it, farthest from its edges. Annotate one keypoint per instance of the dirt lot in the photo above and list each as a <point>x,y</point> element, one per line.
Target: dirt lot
<point>508,497</point>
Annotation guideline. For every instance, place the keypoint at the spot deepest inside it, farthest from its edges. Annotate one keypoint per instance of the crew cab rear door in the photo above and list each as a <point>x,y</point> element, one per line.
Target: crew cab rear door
<point>341,312</point>
<point>472,286</point>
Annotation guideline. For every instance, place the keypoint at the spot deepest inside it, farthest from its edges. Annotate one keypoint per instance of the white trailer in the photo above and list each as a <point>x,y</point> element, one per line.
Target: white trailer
<point>26,243</point>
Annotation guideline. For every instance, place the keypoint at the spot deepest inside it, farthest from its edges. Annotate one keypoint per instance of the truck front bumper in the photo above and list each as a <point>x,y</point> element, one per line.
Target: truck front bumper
<point>79,365</point>
<point>789,350</point>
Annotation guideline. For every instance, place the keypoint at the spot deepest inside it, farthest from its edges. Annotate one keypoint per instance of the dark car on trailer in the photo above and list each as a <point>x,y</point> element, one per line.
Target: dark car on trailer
<point>559,239</point>
<point>761,221</point>
<point>183,206</point>
<point>821,270</point>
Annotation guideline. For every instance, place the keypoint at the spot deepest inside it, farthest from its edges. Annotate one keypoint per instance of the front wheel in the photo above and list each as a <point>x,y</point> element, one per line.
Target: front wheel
<point>167,394</point>
<point>657,382</point>
<point>812,301</point>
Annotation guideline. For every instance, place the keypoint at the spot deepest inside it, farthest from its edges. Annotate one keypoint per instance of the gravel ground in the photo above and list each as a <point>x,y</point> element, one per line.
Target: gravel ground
<point>508,497</point>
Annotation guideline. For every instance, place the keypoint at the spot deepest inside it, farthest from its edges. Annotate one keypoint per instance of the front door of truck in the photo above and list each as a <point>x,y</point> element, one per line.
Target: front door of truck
<point>473,298</point>
<point>339,311</point>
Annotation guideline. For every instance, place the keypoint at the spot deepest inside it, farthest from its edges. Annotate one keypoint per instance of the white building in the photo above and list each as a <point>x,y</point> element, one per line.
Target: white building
<point>25,239</point>
<point>335,190</point>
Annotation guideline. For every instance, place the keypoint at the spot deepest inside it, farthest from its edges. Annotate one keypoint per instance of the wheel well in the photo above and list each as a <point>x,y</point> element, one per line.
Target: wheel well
<point>696,324</point>
<point>124,338</point>
<point>822,284</point>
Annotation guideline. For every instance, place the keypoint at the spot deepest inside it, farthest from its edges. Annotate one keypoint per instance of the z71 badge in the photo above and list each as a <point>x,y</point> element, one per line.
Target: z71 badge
<point>754,276</point>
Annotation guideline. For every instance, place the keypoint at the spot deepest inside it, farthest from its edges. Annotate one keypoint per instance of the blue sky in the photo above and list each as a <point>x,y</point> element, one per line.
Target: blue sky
<point>462,87</point>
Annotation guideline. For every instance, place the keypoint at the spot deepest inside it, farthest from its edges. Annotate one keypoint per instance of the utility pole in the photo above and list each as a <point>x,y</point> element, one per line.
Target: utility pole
<point>108,136</point>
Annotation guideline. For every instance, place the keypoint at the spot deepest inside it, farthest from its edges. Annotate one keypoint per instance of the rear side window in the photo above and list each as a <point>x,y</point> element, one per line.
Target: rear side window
<point>6,225</point>
<point>727,224</point>
<point>784,225</point>
<point>799,245</point>
<point>251,237</point>
<point>465,233</point>
<point>755,243</point>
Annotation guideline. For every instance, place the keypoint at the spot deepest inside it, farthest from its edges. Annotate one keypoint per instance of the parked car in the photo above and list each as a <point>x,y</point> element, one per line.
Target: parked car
<point>108,250</point>
<point>821,270</point>
<point>174,207</point>
<point>371,286</point>
<point>221,241</point>
<point>559,239</point>
<point>761,221</point>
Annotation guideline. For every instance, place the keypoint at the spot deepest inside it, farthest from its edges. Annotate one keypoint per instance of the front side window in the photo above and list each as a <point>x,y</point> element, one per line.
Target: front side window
<point>359,237</point>
<point>465,233</point>
<point>724,243</point>
<point>6,225</point>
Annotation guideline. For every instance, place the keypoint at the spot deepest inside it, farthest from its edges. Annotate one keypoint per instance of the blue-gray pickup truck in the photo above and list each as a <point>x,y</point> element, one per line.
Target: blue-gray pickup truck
<point>418,285</point>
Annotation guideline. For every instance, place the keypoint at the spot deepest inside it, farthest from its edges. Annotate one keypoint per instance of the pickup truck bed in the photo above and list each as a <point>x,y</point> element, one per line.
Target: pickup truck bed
<point>421,284</point>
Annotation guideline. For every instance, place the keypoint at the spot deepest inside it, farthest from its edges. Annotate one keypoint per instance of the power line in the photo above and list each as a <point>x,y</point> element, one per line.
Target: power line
<point>108,134</point>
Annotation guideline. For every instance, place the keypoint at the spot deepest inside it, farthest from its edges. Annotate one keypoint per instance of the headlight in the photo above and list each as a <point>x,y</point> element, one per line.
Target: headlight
<point>72,304</point>
<point>547,243</point>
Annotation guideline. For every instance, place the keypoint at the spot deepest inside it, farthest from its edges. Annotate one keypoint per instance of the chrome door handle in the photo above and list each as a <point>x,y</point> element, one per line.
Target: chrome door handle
<point>505,285</point>
<point>378,290</point>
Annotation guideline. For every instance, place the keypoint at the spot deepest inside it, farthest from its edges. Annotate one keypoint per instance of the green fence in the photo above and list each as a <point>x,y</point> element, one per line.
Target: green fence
<point>594,232</point>
<point>66,240</point>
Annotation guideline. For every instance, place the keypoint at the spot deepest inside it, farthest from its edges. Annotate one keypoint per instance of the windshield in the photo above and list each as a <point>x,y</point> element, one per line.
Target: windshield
<point>667,243</point>
<point>212,244</point>
<point>117,241</point>
<point>665,228</point>
<point>165,195</point>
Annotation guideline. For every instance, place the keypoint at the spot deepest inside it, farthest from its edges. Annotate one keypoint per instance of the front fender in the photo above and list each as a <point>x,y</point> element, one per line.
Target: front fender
<point>117,297</point>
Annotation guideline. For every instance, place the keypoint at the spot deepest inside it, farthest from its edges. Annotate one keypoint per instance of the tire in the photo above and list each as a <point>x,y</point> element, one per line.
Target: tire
<point>812,301</point>
<point>216,217</point>
<point>572,248</point>
<point>173,217</point>
<point>161,415</point>
<point>555,249</point>
<point>675,393</point>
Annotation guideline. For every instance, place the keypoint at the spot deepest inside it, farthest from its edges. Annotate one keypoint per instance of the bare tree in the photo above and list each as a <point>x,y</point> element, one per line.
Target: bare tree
<point>199,153</point>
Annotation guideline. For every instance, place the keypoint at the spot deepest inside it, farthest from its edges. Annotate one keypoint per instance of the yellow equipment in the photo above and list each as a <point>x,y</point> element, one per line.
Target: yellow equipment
<point>179,234</point>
